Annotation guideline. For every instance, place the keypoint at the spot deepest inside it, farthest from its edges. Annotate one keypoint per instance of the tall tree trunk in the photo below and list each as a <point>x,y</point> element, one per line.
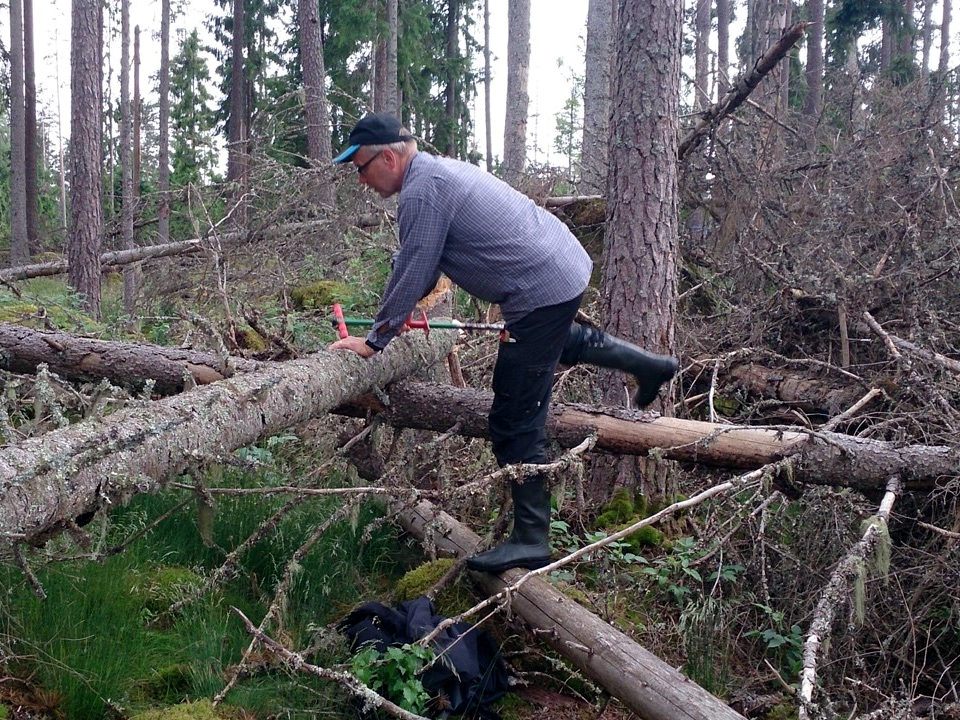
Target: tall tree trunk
<point>596,96</point>
<point>723,47</point>
<point>518,99</point>
<point>314,87</point>
<point>19,241</point>
<point>906,37</point>
<point>639,282</point>
<point>30,146</point>
<point>126,153</point>
<point>136,112</point>
<point>886,43</point>
<point>638,291</point>
<point>487,100</point>
<point>163,152</point>
<point>392,98</point>
<point>451,92</point>
<point>86,212</point>
<point>813,104</point>
<point>944,65</point>
<point>927,42</point>
<point>785,20</point>
<point>237,132</point>
<point>702,55</point>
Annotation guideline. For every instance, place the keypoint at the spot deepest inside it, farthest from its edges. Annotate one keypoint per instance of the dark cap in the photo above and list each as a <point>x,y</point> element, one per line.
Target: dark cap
<point>376,129</point>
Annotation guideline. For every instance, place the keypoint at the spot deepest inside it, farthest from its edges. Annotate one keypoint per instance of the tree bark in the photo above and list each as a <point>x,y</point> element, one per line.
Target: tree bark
<point>125,364</point>
<point>629,672</point>
<point>314,88</point>
<point>451,90</point>
<point>86,210</point>
<point>639,285</point>
<point>723,47</point>
<point>518,99</point>
<point>943,66</point>
<point>47,482</point>
<point>391,92</point>
<point>805,391</point>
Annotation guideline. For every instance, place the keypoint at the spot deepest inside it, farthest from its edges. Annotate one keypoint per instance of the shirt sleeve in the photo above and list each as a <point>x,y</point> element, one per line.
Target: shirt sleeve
<point>416,268</point>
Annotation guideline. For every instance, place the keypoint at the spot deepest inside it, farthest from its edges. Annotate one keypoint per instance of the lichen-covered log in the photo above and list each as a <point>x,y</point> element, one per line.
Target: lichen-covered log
<point>820,458</point>
<point>125,364</point>
<point>47,482</point>
<point>638,678</point>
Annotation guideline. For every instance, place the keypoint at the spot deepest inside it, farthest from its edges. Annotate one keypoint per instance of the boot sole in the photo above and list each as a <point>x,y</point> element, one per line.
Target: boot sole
<point>529,564</point>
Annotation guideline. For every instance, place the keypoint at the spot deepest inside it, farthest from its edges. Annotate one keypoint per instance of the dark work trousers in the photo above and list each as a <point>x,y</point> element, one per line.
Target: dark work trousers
<point>523,383</point>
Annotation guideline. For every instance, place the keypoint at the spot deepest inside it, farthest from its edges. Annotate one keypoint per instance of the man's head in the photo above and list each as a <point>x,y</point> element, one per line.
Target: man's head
<point>380,148</point>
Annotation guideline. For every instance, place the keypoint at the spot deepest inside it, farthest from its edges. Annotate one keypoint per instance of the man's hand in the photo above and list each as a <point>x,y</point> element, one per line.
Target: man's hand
<point>354,343</point>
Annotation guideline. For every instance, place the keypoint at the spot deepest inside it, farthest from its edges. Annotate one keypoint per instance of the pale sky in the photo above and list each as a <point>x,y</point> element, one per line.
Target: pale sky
<point>558,30</point>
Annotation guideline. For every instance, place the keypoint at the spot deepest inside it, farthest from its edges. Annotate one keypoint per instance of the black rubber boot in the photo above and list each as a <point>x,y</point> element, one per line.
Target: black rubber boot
<point>595,347</point>
<point>529,544</point>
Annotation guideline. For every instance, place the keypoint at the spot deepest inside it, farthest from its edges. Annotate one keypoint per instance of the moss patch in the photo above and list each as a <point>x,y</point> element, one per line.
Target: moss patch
<point>317,295</point>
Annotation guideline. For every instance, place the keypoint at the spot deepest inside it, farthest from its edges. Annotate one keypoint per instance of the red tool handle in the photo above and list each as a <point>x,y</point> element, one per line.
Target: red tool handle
<point>341,325</point>
<point>421,324</point>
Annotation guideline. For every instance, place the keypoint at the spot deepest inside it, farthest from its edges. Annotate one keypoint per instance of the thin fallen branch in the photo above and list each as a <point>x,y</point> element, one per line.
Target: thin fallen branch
<point>852,410</point>
<point>837,594</point>
<point>522,471</point>
<point>371,700</point>
<point>907,365</point>
<point>892,341</point>
<point>741,89</point>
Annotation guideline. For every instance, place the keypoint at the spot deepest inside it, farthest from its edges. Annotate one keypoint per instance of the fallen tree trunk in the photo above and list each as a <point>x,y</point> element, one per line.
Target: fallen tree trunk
<point>644,683</point>
<point>806,391</point>
<point>49,481</point>
<point>117,258</point>
<point>125,364</point>
<point>108,260</point>
<point>822,458</point>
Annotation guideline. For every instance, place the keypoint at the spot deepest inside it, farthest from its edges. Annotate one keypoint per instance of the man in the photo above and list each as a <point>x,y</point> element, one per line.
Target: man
<point>499,246</point>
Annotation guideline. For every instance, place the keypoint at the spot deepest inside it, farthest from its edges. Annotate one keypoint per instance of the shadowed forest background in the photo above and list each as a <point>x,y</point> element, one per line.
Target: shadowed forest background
<point>798,253</point>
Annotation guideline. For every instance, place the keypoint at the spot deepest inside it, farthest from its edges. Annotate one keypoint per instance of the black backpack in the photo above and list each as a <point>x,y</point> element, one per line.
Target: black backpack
<point>470,678</point>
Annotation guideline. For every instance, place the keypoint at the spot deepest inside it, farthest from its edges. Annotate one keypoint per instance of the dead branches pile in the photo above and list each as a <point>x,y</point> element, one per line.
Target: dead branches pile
<point>823,290</point>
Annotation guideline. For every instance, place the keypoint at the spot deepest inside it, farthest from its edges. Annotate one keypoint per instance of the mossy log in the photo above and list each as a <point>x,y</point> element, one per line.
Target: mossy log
<point>47,482</point>
<point>643,682</point>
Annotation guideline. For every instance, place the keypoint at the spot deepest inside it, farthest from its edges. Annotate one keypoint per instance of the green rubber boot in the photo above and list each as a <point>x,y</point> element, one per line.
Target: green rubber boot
<point>529,544</point>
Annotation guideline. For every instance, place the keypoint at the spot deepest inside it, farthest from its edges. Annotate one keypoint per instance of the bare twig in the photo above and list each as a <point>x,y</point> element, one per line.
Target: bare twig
<point>371,699</point>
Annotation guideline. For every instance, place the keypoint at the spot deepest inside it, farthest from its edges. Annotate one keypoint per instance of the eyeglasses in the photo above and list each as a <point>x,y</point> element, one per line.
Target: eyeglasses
<point>361,168</point>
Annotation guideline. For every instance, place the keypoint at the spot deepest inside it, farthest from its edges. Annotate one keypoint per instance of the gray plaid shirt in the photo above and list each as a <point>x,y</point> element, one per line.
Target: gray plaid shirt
<point>489,239</point>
